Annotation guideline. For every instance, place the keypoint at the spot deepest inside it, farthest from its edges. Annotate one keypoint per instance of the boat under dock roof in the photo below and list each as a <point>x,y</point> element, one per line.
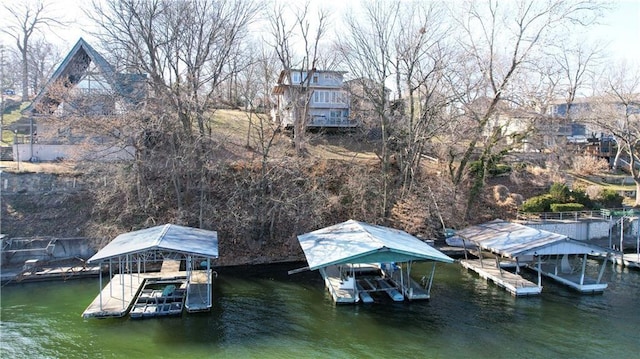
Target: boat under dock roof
<point>341,251</point>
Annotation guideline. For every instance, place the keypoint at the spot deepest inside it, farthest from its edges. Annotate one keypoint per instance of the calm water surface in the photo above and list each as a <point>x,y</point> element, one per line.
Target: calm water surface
<point>273,315</point>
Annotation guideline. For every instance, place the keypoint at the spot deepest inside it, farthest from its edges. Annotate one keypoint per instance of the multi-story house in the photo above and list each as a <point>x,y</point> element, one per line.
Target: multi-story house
<point>324,91</point>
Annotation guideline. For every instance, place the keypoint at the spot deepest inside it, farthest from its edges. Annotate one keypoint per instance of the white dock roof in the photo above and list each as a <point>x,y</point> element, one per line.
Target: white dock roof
<point>513,240</point>
<point>168,237</point>
<point>358,242</point>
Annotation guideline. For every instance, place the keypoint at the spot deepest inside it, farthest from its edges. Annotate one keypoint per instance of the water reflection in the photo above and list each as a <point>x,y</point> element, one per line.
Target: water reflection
<point>267,313</point>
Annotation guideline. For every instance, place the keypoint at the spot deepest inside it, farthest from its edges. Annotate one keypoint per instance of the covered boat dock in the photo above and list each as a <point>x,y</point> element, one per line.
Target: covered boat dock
<point>156,271</point>
<point>550,254</point>
<point>359,260</point>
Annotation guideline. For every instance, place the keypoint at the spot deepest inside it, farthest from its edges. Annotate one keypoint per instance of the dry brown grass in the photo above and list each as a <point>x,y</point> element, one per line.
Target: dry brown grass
<point>38,167</point>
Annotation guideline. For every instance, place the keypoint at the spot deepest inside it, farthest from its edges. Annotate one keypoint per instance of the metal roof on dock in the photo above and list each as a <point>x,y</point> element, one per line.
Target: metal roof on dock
<point>513,239</point>
<point>358,242</point>
<point>168,237</point>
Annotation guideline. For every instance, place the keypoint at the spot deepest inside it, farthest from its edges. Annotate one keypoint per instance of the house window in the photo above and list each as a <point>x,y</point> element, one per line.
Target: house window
<point>295,77</point>
<point>315,78</point>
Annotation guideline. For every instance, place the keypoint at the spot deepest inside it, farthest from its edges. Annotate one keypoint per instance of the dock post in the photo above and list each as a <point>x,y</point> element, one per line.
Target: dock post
<point>100,285</point>
<point>584,268</point>
<point>539,271</point>
<point>433,272</point>
<point>604,264</point>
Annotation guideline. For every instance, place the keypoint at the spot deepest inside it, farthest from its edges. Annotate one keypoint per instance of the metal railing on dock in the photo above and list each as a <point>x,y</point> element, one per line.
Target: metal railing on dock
<point>603,214</point>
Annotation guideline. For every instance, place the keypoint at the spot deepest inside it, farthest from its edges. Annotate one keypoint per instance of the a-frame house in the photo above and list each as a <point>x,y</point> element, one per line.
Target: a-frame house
<point>84,87</point>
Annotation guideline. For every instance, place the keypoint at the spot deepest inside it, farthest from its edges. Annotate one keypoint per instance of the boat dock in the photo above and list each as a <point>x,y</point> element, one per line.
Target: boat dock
<point>128,293</point>
<point>575,280</point>
<point>185,278</point>
<point>631,260</point>
<point>513,283</point>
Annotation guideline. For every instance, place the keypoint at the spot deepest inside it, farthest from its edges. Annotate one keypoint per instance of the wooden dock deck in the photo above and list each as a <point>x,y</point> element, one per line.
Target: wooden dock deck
<point>631,260</point>
<point>513,283</point>
<point>411,289</point>
<point>116,297</point>
<point>338,292</point>
<point>574,280</point>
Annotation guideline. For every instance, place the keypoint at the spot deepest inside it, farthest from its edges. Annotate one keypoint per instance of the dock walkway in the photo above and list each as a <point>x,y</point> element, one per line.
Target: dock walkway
<point>338,292</point>
<point>513,283</point>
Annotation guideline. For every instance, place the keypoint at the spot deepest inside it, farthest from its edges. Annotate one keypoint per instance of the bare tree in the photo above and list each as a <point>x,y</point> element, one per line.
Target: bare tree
<point>499,40</point>
<point>184,47</point>
<point>287,38</point>
<point>27,19</point>
<point>43,58</point>
<point>421,52</point>
<point>368,52</point>
<point>617,110</point>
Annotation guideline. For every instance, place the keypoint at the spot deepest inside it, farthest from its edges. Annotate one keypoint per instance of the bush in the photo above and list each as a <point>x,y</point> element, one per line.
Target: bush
<point>499,169</point>
<point>610,199</point>
<point>580,196</point>
<point>560,192</point>
<point>540,203</point>
<point>590,165</point>
<point>566,207</point>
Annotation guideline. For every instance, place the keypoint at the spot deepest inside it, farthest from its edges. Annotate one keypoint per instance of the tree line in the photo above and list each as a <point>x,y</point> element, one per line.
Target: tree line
<point>436,77</point>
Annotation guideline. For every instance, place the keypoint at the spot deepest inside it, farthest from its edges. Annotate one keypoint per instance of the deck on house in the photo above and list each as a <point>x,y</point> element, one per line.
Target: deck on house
<point>513,283</point>
<point>574,280</point>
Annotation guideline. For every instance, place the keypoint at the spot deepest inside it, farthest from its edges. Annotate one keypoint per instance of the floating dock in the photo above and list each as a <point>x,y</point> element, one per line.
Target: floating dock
<point>631,260</point>
<point>126,293</point>
<point>513,283</point>
<point>575,280</point>
<point>147,294</point>
<point>345,252</point>
<point>340,292</point>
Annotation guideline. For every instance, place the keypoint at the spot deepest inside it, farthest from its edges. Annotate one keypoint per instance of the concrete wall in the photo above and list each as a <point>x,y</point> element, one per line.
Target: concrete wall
<point>16,251</point>
<point>40,152</point>
<point>582,231</point>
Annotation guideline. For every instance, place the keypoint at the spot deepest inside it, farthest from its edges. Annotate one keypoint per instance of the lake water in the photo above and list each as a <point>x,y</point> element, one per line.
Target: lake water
<point>265,313</point>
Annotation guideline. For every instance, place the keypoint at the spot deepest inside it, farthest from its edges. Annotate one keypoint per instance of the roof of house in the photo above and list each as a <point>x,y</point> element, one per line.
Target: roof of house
<point>72,70</point>
<point>513,239</point>
<point>168,238</point>
<point>358,242</point>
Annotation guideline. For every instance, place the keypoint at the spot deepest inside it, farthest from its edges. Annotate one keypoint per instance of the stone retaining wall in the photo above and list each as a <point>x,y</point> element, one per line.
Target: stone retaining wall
<point>34,183</point>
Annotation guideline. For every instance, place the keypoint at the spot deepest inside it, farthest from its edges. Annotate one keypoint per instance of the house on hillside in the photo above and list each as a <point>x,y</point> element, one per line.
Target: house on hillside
<point>323,89</point>
<point>83,94</point>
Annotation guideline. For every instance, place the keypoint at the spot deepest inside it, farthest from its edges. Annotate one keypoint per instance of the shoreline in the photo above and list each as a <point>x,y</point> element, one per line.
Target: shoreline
<point>17,274</point>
